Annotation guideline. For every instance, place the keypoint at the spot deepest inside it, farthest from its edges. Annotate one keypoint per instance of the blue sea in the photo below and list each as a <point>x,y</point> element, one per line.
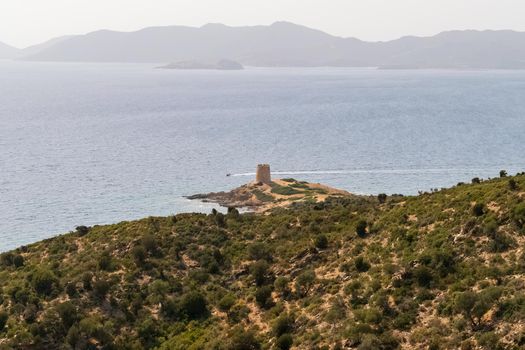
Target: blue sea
<point>85,144</point>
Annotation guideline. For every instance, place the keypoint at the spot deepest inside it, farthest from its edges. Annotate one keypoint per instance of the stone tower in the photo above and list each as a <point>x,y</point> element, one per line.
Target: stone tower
<point>263,174</point>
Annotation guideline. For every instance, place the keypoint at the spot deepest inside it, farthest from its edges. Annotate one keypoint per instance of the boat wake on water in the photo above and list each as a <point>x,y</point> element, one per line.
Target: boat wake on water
<point>367,171</point>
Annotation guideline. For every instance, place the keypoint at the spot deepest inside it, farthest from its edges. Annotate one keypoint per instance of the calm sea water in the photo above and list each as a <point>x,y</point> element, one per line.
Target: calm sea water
<point>99,143</point>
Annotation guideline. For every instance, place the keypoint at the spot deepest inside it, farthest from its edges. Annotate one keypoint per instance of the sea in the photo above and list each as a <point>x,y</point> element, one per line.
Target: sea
<point>86,144</point>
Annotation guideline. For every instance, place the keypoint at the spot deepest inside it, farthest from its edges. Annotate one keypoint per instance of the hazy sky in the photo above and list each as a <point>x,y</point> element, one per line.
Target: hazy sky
<point>26,22</point>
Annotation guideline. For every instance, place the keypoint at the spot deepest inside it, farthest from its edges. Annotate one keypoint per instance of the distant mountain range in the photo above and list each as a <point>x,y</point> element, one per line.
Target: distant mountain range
<point>283,44</point>
<point>9,52</point>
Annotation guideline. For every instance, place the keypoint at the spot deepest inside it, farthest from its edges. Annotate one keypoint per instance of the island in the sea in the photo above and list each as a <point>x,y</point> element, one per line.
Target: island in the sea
<point>265,193</point>
<point>220,65</point>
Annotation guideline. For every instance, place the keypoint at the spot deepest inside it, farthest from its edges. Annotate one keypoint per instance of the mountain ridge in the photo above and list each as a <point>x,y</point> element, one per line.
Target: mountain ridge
<point>285,44</point>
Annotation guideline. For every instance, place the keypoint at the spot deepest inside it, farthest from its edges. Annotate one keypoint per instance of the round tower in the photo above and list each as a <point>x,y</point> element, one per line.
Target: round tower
<point>263,174</point>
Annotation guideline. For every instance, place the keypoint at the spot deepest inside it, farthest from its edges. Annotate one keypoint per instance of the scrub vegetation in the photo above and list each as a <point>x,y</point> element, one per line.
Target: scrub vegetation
<point>442,270</point>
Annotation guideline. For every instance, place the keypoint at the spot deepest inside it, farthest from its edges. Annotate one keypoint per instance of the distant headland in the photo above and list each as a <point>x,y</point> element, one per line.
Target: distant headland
<point>220,65</point>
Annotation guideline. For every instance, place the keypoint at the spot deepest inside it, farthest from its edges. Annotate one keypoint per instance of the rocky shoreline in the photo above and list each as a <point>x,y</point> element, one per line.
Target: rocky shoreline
<point>259,196</point>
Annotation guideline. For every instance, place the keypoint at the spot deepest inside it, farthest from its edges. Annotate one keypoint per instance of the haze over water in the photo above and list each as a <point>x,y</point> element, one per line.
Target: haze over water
<point>85,144</point>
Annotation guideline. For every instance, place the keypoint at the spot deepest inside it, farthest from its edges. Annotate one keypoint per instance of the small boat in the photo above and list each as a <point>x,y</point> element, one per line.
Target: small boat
<point>228,174</point>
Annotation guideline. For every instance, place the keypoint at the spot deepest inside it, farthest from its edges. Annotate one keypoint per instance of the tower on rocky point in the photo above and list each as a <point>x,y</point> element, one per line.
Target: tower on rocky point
<point>263,174</point>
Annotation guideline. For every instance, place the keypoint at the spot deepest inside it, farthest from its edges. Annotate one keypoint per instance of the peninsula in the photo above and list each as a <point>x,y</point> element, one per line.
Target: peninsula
<point>264,193</point>
<point>220,65</point>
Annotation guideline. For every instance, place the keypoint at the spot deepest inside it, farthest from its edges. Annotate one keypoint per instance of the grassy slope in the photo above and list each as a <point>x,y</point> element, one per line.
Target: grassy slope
<point>427,273</point>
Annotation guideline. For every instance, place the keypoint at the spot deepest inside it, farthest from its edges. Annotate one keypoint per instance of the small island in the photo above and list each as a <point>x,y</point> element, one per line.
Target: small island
<point>264,193</point>
<point>220,65</point>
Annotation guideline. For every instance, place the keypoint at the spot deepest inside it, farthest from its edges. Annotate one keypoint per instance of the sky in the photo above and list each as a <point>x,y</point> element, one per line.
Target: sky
<point>28,22</point>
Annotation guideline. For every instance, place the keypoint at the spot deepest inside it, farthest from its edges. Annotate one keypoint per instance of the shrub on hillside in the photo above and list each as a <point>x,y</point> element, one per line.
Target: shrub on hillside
<point>283,324</point>
<point>105,261</point>
<point>513,185</point>
<point>139,255</point>
<point>259,251</point>
<point>360,228</point>
<point>304,282</point>
<point>263,296</point>
<point>68,314</point>
<point>259,270</point>
<point>226,302</point>
<point>101,288</point>
<point>478,209</point>
<point>361,264</point>
<point>82,230</point>
<point>43,281</point>
<point>194,305</point>
<point>3,320</point>
<point>518,215</point>
<point>243,340</point>
<point>18,260</point>
<point>321,242</point>
<point>284,342</point>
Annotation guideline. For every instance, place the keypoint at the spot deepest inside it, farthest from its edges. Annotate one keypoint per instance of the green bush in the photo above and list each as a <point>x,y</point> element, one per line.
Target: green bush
<point>243,340</point>
<point>321,241</point>
<point>82,230</point>
<point>263,296</point>
<point>281,285</point>
<point>139,254</point>
<point>284,342</point>
<point>423,276</point>
<point>3,319</point>
<point>259,270</point>
<point>226,302</point>
<point>68,314</point>
<point>194,305</point>
<point>87,277</point>
<point>478,209</point>
<point>101,288</point>
<point>490,341</point>
<point>361,264</point>
<point>360,228</point>
<point>6,259</point>
<point>105,261</point>
<point>284,190</point>
<point>18,260</point>
<point>44,281</point>
<point>304,282</point>
<point>259,251</point>
<point>518,215</point>
<point>149,242</point>
<point>283,324</point>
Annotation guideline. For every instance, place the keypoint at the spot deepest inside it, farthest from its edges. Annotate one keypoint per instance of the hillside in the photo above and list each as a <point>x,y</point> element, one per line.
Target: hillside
<point>284,44</point>
<point>442,270</point>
